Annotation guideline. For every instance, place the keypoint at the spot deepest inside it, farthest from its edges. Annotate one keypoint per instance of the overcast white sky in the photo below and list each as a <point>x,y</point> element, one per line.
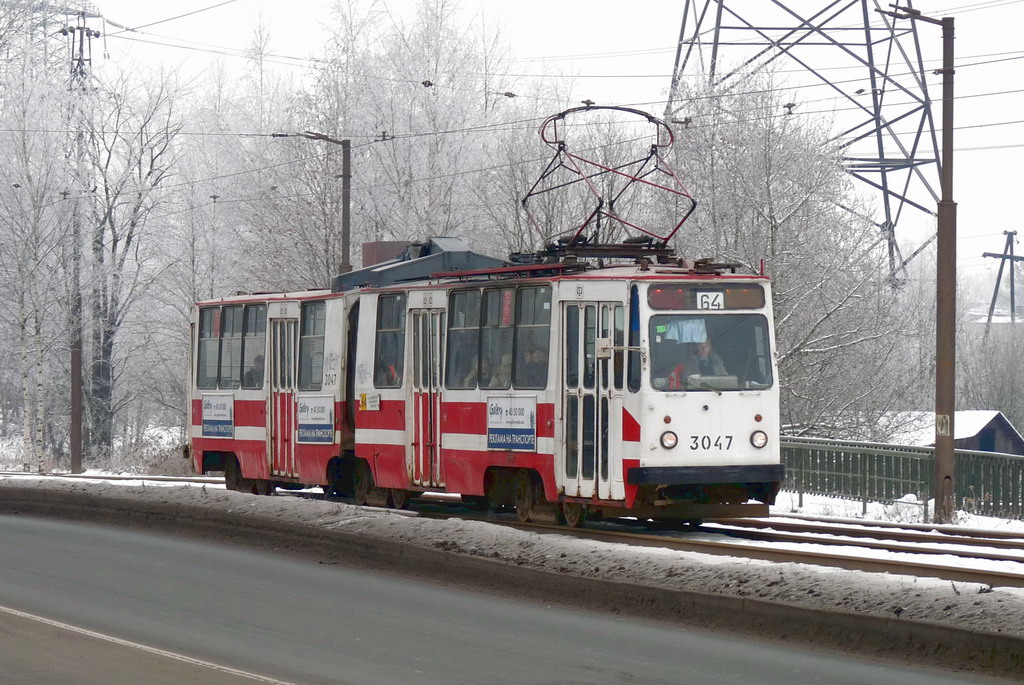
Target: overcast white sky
<point>576,36</point>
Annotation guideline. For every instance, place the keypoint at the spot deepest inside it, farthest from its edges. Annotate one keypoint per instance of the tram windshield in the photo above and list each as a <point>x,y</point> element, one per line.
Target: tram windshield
<point>710,352</point>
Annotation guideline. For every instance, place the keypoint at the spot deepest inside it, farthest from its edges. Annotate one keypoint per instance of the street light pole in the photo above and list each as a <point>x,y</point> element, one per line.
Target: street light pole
<point>945,283</point>
<point>346,203</point>
<point>346,193</point>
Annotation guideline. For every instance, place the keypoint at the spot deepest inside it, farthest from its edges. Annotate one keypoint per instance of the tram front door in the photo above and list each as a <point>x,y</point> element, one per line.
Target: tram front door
<point>282,396</point>
<point>427,355</point>
<point>590,397</point>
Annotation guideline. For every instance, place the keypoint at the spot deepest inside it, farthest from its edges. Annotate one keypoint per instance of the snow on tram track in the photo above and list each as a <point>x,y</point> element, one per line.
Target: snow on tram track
<point>999,564</point>
<point>993,558</point>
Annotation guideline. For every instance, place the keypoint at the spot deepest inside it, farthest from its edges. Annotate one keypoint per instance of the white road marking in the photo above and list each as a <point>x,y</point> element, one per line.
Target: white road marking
<point>145,648</point>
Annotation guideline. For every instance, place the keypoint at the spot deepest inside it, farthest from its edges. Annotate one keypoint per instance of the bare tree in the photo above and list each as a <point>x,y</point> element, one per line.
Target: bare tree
<point>771,188</point>
<point>33,227</point>
<point>131,155</point>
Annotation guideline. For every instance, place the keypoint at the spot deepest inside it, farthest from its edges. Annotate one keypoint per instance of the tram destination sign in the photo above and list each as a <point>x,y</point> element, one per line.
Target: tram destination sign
<point>512,423</point>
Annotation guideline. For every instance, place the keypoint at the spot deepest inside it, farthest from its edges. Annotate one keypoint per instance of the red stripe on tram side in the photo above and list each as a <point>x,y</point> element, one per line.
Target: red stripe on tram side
<point>246,412</point>
<point>630,427</point>
<point>464,417</point>
<point>631,490</point>
<point>388,465</point>
<point>546,420</point>
<point>417,432</point>
<point>251,412</point>
<point>471,418</point>
<point>391,416</point>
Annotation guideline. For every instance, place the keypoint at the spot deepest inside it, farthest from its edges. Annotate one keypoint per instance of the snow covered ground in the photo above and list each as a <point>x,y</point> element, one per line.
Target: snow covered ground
<point>906,510</point>
<point>965,605</point>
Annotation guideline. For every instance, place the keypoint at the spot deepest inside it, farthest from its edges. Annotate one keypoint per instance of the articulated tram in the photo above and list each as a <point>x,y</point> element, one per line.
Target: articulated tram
<point>588,379</point>
<point>644,386</point>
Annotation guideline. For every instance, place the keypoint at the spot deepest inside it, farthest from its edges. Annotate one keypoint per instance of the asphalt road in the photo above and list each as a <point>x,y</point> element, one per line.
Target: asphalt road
<point>295,620</point>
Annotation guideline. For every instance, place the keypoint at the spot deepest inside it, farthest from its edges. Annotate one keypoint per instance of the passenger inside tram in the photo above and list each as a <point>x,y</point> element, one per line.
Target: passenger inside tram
<point>503,376</point>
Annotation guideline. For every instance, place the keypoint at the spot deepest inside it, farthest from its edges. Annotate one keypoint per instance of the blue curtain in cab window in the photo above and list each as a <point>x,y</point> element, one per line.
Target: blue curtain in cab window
<point>685,330</point>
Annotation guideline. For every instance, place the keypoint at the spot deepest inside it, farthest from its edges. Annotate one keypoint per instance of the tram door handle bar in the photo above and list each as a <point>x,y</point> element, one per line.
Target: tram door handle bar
<point>605,349</point>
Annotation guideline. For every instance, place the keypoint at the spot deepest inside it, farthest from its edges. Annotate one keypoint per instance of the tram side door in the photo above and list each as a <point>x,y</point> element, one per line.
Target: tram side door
<point>283,335</point>
<point>427,360</point>
<point>586,397</point>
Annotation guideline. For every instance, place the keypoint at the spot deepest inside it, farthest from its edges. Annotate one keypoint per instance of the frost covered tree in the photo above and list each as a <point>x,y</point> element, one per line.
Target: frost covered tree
<point>771,187</point>
<point>130,150</point>
<point>33,227</point>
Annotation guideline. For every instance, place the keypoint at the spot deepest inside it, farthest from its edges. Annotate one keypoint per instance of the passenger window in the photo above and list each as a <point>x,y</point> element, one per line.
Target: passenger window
<point>496,338</point>
<point>463,340</point>
<point>389,360</point>
<point>533,325</point>
<point>311,345</point>
<point>254,345</point>
<point>230,374</point>
<point>209,338</point>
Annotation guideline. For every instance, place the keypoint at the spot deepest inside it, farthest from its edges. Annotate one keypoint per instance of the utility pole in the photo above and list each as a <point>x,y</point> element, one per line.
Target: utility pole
<point>945,282</point>
<point>1007,255</point>
<point>80,41</point>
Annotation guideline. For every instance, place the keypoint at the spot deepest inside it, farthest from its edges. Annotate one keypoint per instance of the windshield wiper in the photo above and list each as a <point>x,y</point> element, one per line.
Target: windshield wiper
<point>707,386</point>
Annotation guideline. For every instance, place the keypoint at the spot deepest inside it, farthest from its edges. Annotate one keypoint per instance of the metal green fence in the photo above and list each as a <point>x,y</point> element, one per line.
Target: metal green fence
<point>986,483</point>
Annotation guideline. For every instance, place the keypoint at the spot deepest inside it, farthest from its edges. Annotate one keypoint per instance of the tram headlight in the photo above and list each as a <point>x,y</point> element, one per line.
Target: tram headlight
<point>759,439</point>
<point>669,440</point>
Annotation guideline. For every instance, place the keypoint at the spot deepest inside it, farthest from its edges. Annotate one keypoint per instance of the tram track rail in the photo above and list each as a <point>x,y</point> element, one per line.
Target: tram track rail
<point>788,540</point>
<point>953,571</point>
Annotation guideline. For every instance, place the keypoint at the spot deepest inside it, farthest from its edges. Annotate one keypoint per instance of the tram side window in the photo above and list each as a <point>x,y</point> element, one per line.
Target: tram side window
<point>254,345</point>
<point>633,366</point>
<point>311,346</point>
<point>619,341</point>
<point>390,358</point>
<point>230,375</point>
<point>209,338</point>
<point>533,324</point>
<point>463,340</point>
<point>496,331</point>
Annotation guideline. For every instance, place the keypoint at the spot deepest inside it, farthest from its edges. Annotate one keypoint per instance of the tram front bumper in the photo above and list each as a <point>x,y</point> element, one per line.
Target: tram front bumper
<point>706,475</point>
<point>718,485</point>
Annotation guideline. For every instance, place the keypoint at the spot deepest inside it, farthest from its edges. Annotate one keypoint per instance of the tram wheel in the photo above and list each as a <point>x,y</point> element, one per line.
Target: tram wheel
<point>522,494</point>
<point>575,514</point>
<point>362,482</point>
<point>398,498</point>
<point>232,475</point>
<point>264,487</point>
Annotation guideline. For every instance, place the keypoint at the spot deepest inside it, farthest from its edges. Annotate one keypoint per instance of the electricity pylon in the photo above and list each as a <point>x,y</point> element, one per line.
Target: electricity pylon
<point>870,66</point>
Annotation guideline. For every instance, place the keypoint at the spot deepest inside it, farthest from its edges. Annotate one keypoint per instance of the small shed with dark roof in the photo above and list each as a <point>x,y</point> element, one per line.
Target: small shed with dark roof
<point>982,430</point>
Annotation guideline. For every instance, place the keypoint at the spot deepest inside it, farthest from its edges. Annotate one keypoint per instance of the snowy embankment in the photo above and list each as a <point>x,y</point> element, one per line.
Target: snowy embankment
<point>880,613</point>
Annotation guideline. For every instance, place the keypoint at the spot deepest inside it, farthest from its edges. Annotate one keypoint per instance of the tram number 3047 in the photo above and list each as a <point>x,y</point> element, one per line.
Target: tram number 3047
<point>710,442</point>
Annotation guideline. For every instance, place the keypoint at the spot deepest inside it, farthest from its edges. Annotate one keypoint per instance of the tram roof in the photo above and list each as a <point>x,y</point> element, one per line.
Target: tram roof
<point>443,262</point>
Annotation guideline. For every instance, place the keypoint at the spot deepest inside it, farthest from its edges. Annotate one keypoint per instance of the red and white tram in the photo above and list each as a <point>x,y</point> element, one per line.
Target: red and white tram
<point>587,380</point>
<point>561,390</point>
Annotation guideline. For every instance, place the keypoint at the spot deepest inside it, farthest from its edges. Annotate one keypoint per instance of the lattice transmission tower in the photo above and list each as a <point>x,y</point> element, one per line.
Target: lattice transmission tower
<point>869,63</point>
